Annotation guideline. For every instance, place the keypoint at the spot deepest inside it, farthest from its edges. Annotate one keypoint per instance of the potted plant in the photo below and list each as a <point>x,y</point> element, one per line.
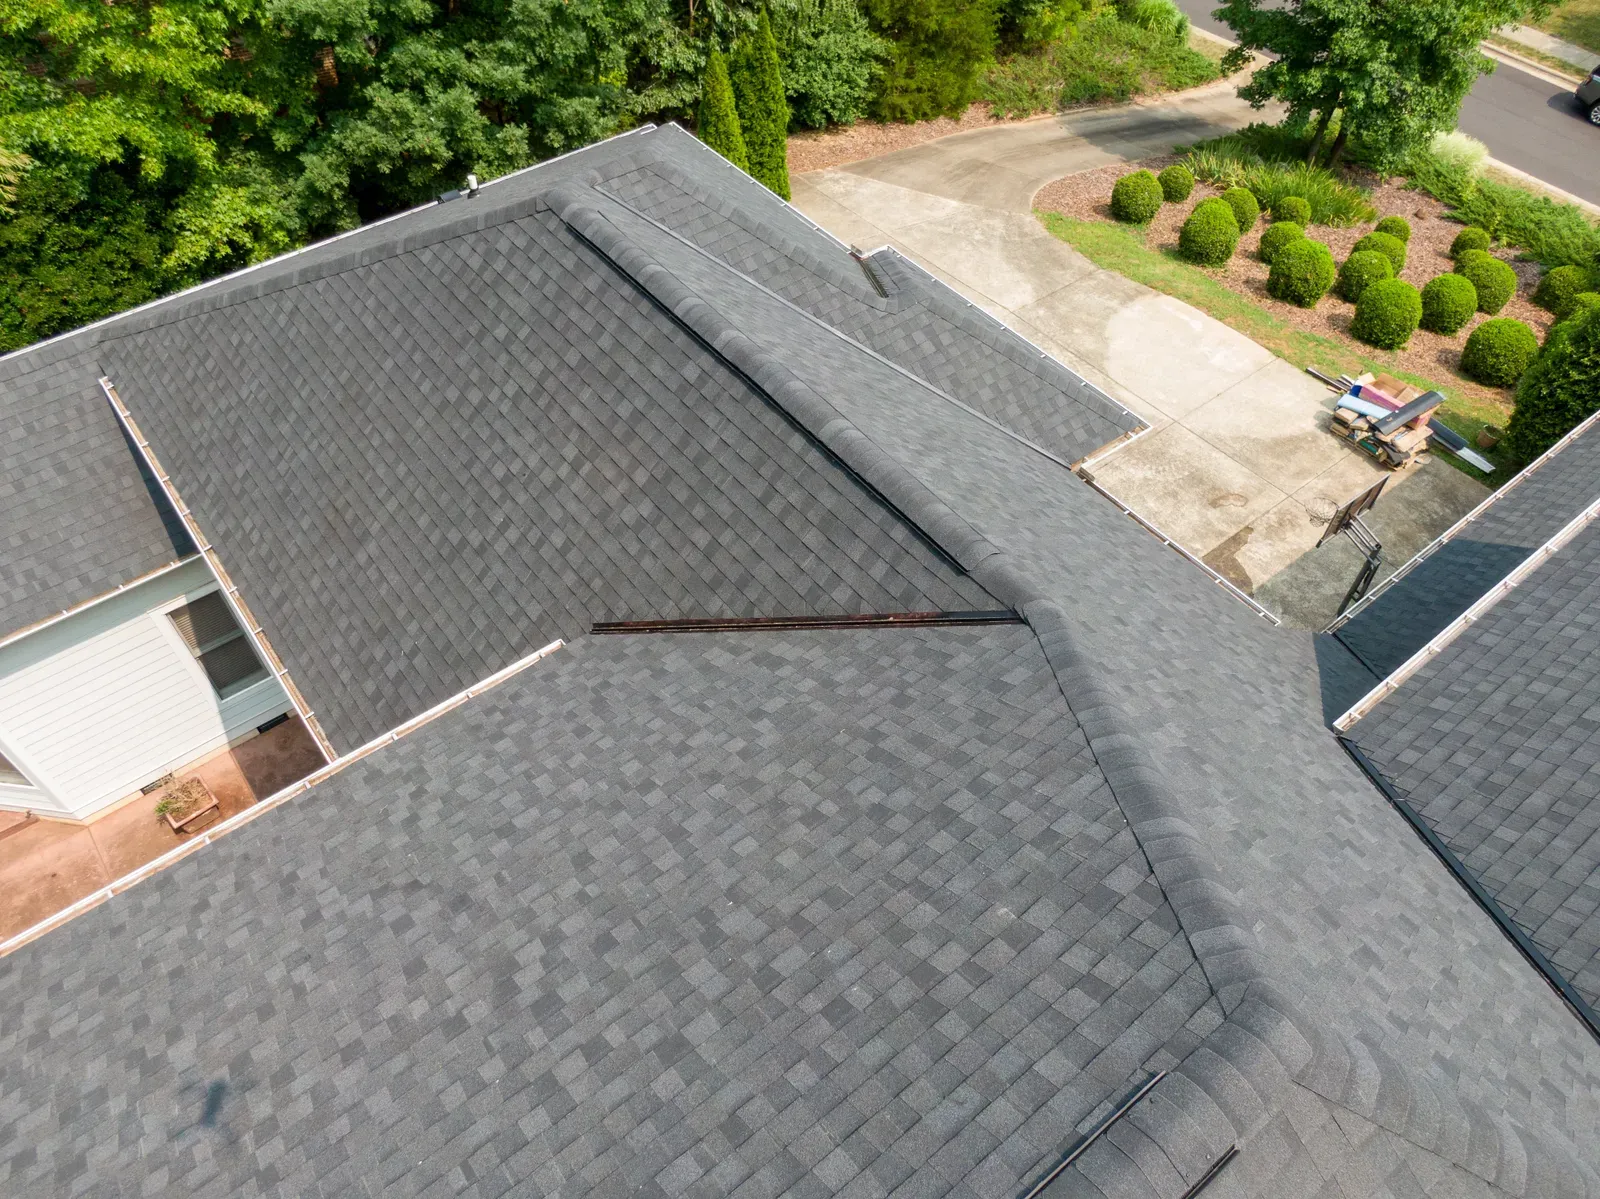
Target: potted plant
<point>1489,436</point>
<point>186,803</point>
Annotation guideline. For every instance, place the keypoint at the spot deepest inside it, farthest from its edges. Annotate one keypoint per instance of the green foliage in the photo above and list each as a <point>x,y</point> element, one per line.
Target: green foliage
<point>939,49</point>
<point>1024,26</point>
<point>831,60</point>
<point>718,125</point>
<point>1136,197</point>
<point>1246,212</point>
<point>1302,272</point>
<point>1250,159</point>
<point>1387,314</point>
<point>1176,183</point>
<point>1582,303</point>
<point>763,111</point>
<point>1496,282</point>
<point>1470,238</point>
<point>1209,235</point>
<point>1389,246</point>
<point>1498,351</point>
<point>1395,226</point>
<point>1277,235</point>
<point>1103,59</point>
<point>1560,389</point>
<point>1362,269</point>
<point>1292,208</point>
<point>1559,289</point>
<point>1161,17</point>
<point>1448,302</point>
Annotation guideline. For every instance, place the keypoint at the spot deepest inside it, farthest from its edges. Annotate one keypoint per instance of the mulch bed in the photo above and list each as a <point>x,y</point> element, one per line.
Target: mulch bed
<point>820,149</point>
<point>1087,196</point>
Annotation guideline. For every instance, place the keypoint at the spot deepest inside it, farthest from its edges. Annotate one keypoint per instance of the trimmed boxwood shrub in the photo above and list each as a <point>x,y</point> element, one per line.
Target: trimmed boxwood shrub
<point>1301,273</point>
<point>1246,212</point>
<point>1388,245</point>
<point>1470,238</point>
<point>1559,389</point>
<point>1136,198</point>
<point>1362,269</point>
<point>1498,352</point>
<point>1560,288</point>
<point>1292,208</point>
<point>1177,181</point>
<point>1582,303</point>
<point>1496,282</point>
<point>1210,234</point>
<point>1395,226</point>
<point>1277,236</point>
<point>1448,302</point>
<point>1387,314</point>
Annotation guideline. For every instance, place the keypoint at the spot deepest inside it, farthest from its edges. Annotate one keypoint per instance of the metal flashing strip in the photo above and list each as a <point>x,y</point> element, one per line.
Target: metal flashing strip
<point>872,620</point>
<point>1217,578</point>
<point>1210,1175</point>
<point>1093,1135</point>
<point>67,613</point>
<point>1487,902</point>
<point>240,819</point>
<point>241,611</point>
<point>1456,627</point>
<point>1433,546</point>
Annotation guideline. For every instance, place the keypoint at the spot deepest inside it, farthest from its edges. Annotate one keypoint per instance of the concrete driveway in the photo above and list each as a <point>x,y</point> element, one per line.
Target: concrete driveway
<point>1237,458</point>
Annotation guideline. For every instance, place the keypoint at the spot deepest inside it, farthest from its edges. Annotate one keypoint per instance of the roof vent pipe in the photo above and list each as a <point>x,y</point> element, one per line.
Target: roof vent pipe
<point>472,187</point>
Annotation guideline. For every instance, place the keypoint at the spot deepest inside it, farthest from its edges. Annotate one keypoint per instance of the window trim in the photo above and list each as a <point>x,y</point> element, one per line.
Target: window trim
<point>164,614</point>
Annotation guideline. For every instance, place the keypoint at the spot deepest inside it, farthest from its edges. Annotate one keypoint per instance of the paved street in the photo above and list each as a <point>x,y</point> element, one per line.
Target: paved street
<point>1530,123</point>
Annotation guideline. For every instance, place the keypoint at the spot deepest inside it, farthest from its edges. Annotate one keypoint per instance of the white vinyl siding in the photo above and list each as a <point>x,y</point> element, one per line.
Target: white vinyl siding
<point>98,718</point>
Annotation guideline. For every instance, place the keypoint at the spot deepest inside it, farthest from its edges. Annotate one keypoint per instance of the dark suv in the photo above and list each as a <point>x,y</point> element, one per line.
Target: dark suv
<point>1588,94</point>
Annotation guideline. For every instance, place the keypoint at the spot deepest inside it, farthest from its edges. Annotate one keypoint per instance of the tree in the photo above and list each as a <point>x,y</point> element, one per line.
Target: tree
<point>1559,389</point>
<point>1394,71</point>
<point>940,48</point>
<point>763,111</point>
<point>831,60</point>
<point>718,125</point>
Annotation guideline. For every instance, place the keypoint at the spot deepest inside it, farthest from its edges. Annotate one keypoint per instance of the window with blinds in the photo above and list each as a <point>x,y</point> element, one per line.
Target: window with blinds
<point>208,628</point>
<point>10,774</point>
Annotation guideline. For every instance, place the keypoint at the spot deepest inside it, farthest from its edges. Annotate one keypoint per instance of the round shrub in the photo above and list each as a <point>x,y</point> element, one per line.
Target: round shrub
<point>1387,314</point>
<point>1301,273</point>
<point>1209,235</point>
<point>1498,352</point>
<point>1277,236</point>
<point>1559,389</point>
<point>1395,226</point>
<point>1582,304</point>
<point>1362,269</point>
<point>1292,208</point>
<point>1177,181</point>
<point>1136,198</point>
<point>1448,302</point>
<point>1246,212</point>
<point>1496,282</point>
<point>1390,246</point>
<point>1470,238</point>
<point>1560,288</point>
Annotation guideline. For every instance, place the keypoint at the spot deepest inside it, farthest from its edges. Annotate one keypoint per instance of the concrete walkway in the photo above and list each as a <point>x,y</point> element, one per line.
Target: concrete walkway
<point>1238,457</point>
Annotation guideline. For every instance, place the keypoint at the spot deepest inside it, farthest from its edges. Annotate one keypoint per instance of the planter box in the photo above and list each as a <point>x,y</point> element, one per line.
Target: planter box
<point>188,804</point>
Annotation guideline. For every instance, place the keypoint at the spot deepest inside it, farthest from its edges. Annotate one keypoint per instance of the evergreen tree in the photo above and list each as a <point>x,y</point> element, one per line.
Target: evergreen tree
<point>718,123</point>
<point>763,110</point>
<point>1561,388</point>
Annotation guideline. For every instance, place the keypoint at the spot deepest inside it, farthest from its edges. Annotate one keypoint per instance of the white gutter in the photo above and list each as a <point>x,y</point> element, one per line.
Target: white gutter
<point>66,613</point>
<point>240,819</point>
<point>1457,626</point>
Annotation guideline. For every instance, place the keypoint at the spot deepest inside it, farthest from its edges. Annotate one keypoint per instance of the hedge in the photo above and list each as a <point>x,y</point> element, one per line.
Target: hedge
<point>1470,238</point>
<point>1292,208</point>
<point>1276,237</point>
<point>1388,245</point>
<point>1362,269</point>
<point>1177,181</point>
<point>1559,289</point>
<point>1498,352</point>
<point>1582,303</point>
<point>1246,212</point>
<point>1136,198</point>
<point>1210,234</point>
<point>1559,389</point>
<point>1387,314</point>
<point>1301,273</point>
<point>1395,226</point>
<point>1496,282</point>
<point>1448,302</point>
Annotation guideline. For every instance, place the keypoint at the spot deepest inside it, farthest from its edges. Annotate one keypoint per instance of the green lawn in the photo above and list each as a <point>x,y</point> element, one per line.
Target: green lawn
<point>1122,249</point>
<point>1577,21</point>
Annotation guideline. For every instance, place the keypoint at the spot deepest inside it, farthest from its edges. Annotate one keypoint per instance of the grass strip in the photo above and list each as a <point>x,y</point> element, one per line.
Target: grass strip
<point>1122,249</point>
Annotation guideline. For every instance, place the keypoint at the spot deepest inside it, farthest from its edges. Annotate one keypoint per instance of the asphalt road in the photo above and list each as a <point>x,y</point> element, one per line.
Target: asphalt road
<point>1525,121</point>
